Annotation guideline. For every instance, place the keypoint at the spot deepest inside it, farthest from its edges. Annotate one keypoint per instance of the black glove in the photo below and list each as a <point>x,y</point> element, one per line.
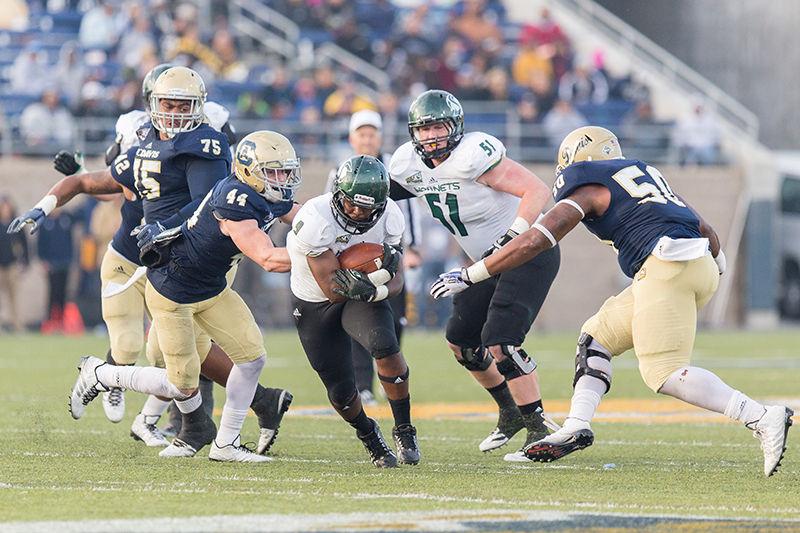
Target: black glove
<point>146,233</point>
<point>155,251</point>
<point>67,162</point>
<point>33,217</point>
<point>391,259</point>
<point>354,285</point>
<point>500,242</point>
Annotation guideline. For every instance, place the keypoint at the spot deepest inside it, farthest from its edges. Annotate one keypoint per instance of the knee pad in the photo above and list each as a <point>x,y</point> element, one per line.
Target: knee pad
<point>395,379</point>
<point>516,364</point>
<point>475,359</point>
<point>342,395</point>
<point>590,362</point>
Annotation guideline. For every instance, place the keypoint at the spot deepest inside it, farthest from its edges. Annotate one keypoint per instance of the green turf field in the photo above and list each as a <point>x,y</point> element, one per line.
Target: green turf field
<point>55,468</point>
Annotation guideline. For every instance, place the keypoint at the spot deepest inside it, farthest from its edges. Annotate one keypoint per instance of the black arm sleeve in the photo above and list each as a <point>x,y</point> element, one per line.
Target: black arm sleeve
<point>396,192</point>
<point>113,151</point>
<point>182,215</point>
<point>229,133</point>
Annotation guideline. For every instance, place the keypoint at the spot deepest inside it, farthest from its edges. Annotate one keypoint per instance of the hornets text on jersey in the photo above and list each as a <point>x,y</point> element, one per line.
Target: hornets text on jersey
<point>168,175</point>
<point>202,256</point>
<point>643,208</point>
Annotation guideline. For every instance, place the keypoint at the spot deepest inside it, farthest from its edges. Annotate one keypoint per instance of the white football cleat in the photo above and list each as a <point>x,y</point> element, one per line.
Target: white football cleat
<point>86,387</point>
<point>178,448</point>
<point>148,433</point>
<point>235,453</point>
<point>114,404</point>
<point>772,430</point>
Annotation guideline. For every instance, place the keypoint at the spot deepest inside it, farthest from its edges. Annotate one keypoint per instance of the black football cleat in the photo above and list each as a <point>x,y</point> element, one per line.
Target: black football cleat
<point>405,438</point>
<point>379,452</point>
<point>269,409</point>
<point>559,444</point>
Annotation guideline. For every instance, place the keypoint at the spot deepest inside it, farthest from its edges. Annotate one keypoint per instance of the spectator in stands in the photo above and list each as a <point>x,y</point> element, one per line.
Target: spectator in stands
<point>102,26</point>
<point>497,85</point>
<point>416,34</point>
<point>561,120</point>
<point>70,72</point>
<point>30,71</point>
<point>447,63</point>
<point>55,247</point>
<point>697,137</point>
<point>47,121</point>
<point>14,15</point>
<point>532,60</point>
<point>350,37</point>
<point>302,12</point>
<point>13,258</point>
<point>278,93</point>
<point>305,94</point>
<point>190,51</point>
<point>325,82</point>
<point>542,88</point>
<point>224,45</point>
<point>345,101</point>
<point>583,85</point>
<point>95,103</point>
<point>640,129</point>
<point>544,31</point>
<point>471,84</point>
<point>376,17</point>
<point>136,42</point>
<point>479,29</point>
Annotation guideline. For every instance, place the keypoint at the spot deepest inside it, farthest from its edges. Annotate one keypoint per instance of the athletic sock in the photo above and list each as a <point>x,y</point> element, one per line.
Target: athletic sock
<point>147,380</point>
<point>191,404</point>
<point>585,400</point>
<point>744,409</point>
<point>401,410</point>
<point>502,395</point>
<point>230,425</point>
<point>153,408</point>
<point>363,424</point>
<point>239,391</point>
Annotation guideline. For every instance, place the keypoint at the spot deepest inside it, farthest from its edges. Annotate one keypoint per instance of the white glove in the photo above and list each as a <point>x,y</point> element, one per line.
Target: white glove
<point>450,283</point>
<point>721,262</point>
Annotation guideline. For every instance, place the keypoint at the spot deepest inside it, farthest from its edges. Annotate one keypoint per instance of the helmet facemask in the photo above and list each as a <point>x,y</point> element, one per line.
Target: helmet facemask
<point>352,225</point>
<point>172,123</point>
<point>280,179</point>
<point>449,141</point>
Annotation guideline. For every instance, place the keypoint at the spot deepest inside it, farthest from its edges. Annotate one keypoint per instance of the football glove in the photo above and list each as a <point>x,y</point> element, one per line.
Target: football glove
<point>450,283</point>
<point>354,285</point>
<point>155,251</point>
<point>500,242</point>
<point>34,217</point>
<point>391,259</point>
<point>68,163</point>
<point>146,233</point>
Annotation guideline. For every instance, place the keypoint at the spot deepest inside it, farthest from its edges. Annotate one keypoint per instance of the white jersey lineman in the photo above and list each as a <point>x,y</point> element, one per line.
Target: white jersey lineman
<point>473,212</point>
<point>315,231</point>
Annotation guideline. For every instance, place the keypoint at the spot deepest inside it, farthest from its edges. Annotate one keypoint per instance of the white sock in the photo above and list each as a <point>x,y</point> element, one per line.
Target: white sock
<point>239,392</point>
<point>744,409</point>
<point>152,409</point>
<point>705,389</point>
<point>190,404</point>
<point>230,425</point>
<point>148,380</point>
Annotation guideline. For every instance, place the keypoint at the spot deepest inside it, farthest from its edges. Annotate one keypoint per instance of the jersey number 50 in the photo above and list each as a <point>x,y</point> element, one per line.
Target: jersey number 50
<point>658,191</point>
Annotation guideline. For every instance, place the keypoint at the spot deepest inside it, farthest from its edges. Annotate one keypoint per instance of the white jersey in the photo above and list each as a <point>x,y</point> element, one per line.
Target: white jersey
<point>474,213</point>
<point>129,128</point>
<point>315,230</point>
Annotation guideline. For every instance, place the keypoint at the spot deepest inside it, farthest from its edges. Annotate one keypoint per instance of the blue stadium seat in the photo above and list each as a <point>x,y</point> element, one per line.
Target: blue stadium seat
<point>315,36</point>
<point>13,103</point>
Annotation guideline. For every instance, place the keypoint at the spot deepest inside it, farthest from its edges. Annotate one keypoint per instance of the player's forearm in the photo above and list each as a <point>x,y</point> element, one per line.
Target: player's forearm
<point>395,285</point>
<point>533,202</point>
<point>98,182</point>
<point>276,260</point>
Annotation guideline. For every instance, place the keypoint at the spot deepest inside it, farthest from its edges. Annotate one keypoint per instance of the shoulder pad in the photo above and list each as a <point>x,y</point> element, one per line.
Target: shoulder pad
<point>216,114</point>
<point>205,142</point>
<point>313,232</point>
<point>402,162</point>
<point>475,154</point>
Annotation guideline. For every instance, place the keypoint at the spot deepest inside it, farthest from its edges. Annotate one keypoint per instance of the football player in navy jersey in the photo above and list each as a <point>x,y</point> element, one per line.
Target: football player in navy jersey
<point>190,289</point>
<point>675,260</point>
<point>177,163</point>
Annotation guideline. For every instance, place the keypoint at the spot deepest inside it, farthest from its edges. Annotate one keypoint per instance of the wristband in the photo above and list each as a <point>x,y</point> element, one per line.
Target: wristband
<point>47,204</point>
<point>721,262</point>
<point>478,272</point>
<point>381,292</point>
<point>546,233</point>
<point>574,204</point>
<point>520,225</point>
<point>379,277</point>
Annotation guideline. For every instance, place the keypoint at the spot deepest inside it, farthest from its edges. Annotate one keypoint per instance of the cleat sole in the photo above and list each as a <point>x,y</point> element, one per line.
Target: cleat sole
<point>547,453</point>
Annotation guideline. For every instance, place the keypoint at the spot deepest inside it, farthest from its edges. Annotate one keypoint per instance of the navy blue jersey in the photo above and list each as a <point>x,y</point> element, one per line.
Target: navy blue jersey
<point>122,242</point>
<point>643,208</point>
<point>168,175</point>
<point>202,256</point>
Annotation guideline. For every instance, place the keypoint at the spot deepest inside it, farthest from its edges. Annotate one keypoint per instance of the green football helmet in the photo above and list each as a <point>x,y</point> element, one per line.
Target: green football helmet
<point>150,80</point>
<point>362,181</point>
<point>429,108</point>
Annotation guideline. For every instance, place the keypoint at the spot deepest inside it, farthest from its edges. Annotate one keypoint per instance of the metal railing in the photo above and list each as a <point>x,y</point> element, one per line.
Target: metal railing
<point>266,26</point>
<point>640,47</point>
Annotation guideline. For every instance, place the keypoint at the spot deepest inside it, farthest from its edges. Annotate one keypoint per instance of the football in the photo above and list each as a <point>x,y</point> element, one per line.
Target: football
<point>365,257</point>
